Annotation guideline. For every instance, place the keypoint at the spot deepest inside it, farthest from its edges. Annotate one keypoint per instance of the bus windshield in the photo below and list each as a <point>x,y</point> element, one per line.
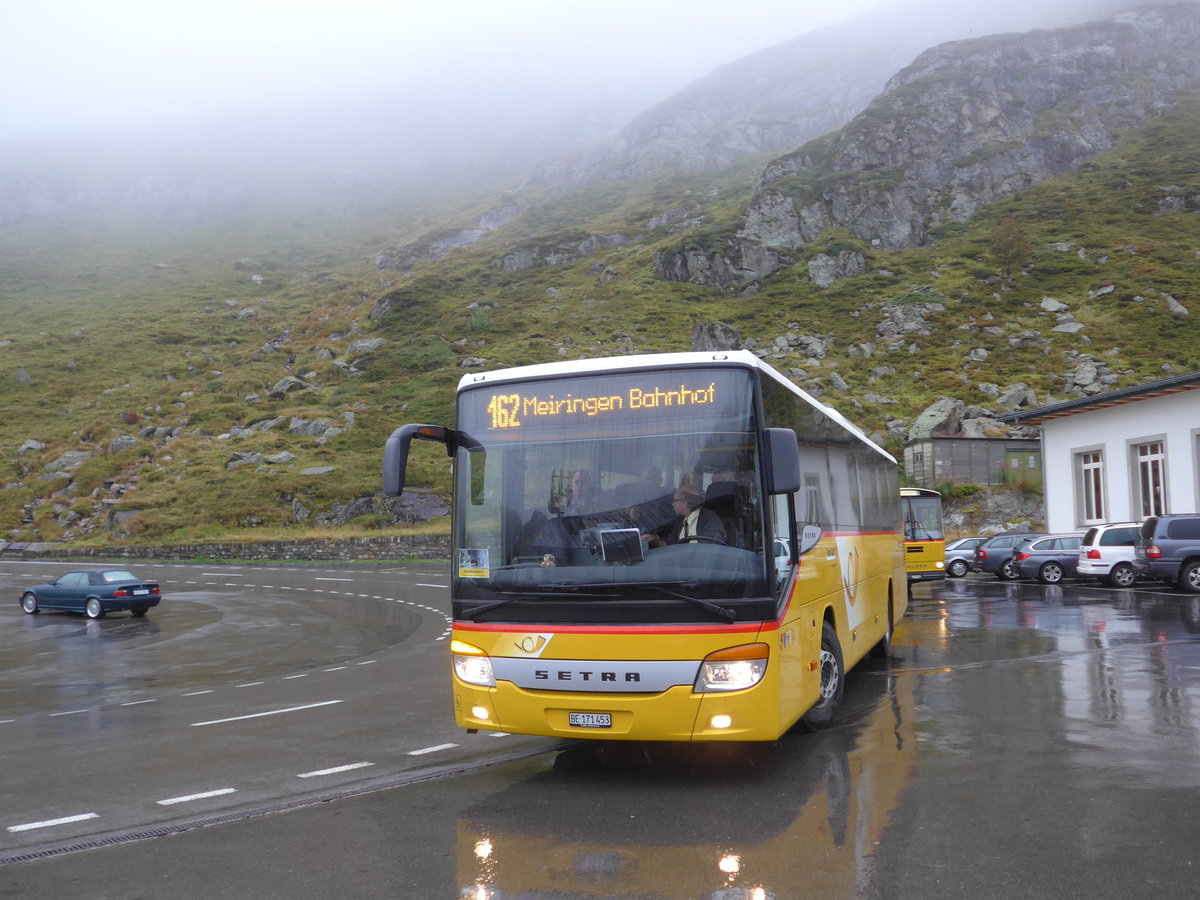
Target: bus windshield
<point>923,518</point>
<point>571,494</point>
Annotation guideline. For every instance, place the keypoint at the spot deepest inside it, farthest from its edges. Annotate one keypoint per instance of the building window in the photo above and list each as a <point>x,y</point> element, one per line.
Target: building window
<point>1151,476</point>
<point>1091,486</point>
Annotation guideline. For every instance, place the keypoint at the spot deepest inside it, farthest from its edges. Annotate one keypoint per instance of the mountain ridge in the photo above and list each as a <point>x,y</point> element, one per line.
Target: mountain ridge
<point>239,375</point>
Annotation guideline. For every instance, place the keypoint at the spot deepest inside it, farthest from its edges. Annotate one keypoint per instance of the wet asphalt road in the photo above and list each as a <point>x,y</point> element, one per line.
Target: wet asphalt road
<point>1024,741</point>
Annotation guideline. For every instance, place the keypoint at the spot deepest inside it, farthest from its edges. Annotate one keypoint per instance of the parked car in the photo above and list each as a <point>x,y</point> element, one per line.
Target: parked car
<point>1106,552</point>
<point>1049,558</point>
<point>995,555</point>
<point>93,592</point>
<point>1168,548</point>
<point>960,555</point>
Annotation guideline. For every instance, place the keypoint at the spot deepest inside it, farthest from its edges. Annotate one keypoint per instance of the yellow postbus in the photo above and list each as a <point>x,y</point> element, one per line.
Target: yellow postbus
<point>675,547</point>
<point>924,534</point>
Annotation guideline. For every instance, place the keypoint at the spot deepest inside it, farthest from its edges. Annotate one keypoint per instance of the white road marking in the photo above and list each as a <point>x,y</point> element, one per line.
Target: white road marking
<point>203,796</point>
<point>425,750</point>
<point>335,770</point>
<point>336,669</point>
<point>273,712</point>
<point>367,662</point>
<point>290,677</point>
<point>29,826</point>
<point>198,693</point>
<point>333,579</point>
<point>432,585</point>
<point>251,683</point>
<point>70,712</point>
<point>138,702</point>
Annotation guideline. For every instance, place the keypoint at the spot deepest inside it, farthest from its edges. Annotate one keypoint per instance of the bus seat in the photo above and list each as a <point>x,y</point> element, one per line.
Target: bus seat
<point>722,498</point>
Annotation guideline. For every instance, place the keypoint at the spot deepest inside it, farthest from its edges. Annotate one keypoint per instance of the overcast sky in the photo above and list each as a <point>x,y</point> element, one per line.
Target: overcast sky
<point>68,65</point>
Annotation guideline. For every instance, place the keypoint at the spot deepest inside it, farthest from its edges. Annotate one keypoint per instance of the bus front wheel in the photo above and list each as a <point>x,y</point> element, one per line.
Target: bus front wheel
<point>833,682</point>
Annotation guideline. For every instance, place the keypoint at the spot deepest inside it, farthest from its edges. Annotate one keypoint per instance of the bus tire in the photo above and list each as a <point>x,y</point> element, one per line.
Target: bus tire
<point>833,682</point>
<point>883,649</point>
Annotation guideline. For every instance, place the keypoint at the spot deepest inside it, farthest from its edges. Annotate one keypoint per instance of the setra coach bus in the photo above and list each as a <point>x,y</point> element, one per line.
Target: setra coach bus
<point>671,547</point>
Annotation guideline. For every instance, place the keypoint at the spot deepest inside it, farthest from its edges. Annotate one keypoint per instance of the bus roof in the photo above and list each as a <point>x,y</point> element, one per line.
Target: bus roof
<point>741,358</point>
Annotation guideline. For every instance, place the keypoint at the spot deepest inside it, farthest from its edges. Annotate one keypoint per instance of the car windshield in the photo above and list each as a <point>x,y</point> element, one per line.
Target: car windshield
<point>568,491</point>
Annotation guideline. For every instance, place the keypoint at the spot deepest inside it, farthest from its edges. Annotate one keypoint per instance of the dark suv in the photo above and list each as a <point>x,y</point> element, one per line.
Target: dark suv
<point>1168,548</point>
<point>995,555</point>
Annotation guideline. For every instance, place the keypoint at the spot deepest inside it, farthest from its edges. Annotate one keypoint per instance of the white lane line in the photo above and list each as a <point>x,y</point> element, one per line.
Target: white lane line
<point>138,702</point>
<point>333,579</point>
<point>273,712</point>
<point>203,796</point>
<point>419,584</point>
<point>425,750</point>
<point>367,662</point>
<point>198,693</point>
<point>6,721</point>
<point>251,683</point>
<point>69,712</point>
<point>336,669</point>
<point>290,677</point>
<point>335,770</point>
<point>223,574</point>
<point>29,826</point>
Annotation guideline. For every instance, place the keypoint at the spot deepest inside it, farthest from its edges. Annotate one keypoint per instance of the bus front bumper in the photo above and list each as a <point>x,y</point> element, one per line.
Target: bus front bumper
<point>677,714</point>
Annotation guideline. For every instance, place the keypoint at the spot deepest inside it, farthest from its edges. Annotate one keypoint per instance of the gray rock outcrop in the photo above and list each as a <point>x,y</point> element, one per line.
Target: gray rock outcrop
<point>967,124</point>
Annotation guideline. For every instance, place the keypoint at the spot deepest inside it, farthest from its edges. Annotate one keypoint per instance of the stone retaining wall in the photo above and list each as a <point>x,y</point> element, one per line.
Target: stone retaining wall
<point>342,549</point>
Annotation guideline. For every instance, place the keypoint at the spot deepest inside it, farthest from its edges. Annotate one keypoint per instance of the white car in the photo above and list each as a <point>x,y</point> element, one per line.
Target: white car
<point>1107,553</point>
<point>783,560</point>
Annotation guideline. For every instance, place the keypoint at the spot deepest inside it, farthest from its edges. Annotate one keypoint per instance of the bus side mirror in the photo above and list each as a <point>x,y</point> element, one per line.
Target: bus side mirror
<point>783,461</point>
<point>395,452</point>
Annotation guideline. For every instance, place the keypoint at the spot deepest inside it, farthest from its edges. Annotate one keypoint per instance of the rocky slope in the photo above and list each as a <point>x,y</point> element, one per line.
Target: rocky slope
<point>968,123</point>
<point>783,96</point>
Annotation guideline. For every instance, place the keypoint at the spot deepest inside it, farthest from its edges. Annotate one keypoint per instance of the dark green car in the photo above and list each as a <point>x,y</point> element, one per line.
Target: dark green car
<point>93,592</point>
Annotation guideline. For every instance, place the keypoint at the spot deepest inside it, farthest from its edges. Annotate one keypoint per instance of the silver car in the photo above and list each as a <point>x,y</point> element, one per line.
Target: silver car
<point>1049,558</point>
<point>960,556</point>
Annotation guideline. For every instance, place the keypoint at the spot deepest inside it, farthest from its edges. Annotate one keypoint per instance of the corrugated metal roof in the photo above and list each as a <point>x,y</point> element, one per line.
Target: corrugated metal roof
<point>1174,385</point>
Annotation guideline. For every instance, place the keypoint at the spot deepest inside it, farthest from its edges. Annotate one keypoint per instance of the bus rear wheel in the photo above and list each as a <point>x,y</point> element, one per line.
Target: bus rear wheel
<point>883,648</point>
<point>833,682</point>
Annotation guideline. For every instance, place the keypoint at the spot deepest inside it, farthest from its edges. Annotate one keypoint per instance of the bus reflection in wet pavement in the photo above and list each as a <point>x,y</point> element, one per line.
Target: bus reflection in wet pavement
<point>715,821</point>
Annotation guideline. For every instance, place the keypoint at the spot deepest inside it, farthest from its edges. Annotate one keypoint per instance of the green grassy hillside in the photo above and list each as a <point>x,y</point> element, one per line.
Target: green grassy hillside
<point>124,324</point>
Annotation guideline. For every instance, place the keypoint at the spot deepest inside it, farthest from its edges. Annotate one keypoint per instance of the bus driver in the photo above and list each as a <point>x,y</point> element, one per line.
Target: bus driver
<point>691,520</point>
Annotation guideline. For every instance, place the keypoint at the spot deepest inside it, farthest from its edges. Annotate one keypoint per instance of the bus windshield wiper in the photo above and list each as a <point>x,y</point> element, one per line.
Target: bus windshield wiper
<point>723,611</point>
<point>513,597</point>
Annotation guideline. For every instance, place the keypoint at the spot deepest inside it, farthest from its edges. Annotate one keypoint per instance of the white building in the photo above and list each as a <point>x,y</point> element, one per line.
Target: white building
<point>1122,455</point>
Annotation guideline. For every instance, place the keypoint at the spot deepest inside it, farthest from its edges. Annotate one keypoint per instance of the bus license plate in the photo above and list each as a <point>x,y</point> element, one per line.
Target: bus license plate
<point>590,720</point>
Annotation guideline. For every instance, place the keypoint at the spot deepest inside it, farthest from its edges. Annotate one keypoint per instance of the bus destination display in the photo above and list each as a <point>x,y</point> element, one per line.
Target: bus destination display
<point>514,410</point>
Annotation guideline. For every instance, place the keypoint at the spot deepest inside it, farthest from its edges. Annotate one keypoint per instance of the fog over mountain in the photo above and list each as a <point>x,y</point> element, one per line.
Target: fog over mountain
<point>381,95</point>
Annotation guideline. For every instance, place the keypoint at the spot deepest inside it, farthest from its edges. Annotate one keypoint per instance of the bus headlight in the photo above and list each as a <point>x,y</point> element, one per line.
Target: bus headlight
<point>733,669</point>
<point>471,664</point>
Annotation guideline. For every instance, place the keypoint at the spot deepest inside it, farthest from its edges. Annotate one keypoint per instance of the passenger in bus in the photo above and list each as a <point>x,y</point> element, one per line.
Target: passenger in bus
<point>582,497</point>
<point>692,521</point>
